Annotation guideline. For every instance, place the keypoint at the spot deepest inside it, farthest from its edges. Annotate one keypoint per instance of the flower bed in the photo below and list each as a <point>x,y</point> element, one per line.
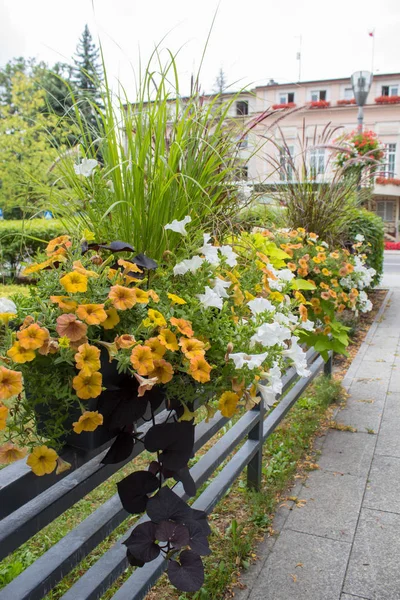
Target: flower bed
<point>319,104</point>
<point>387,181</point>
<point>387,99</point>
<point>356,145</point>
<point>284,105</point>
<point>346,101</point>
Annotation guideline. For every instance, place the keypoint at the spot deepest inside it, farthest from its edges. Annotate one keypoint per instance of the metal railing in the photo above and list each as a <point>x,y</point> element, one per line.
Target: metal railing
<point>29,503</point>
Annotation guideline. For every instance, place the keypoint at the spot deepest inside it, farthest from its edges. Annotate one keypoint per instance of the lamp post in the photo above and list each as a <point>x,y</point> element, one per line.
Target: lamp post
<point>361,83</point>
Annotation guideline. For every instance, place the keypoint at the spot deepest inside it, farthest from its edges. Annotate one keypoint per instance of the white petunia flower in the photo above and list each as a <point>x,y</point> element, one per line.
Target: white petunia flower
<point>307,325</point>
<point>220,287</point>
<point>267,394</point>
<point>179,226</point>
<point>210,298</point>
<point>186,265</point>
<point>86,167</point>
<point>259,305</point>
<point>285,275</point>
<point>229,254</point>
<point>210,252</point>
<point>270,334</point>
<point>298,356</point>
<point>359,237</point>
<point>252,361</point>
<point>7,306</point>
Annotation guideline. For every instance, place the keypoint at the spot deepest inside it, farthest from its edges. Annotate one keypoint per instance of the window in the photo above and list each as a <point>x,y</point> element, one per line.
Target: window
<point>390,161</point>
<point>386,210</point>
<point>286,162</point>
<point>317,95</point>
<point>317,161</point>
<point>242,108</point>
<point>286,97</point>
<point>390,90</point>
<point>348,93</point>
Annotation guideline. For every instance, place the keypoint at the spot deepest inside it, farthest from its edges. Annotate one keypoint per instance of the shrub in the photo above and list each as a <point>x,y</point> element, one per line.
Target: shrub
<point>368,224</point>
<point>260,215</point>
<point>20,240</point>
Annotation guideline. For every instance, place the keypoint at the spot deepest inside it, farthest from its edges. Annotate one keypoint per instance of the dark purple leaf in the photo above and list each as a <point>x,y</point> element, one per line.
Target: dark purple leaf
<point>120,450</point>
<point>133,561</point>
<point>143,261</point>
<point>154,467</point>
<point>197,539</point>
<point>166,505</point>
<point>184,476</point>
<point>175,440</point>
<point>141,543</point>
<point>174,533</point>
<point>201,518</point>
<point>188,576</point>
<point>134,488</point>
<point>118,246</point>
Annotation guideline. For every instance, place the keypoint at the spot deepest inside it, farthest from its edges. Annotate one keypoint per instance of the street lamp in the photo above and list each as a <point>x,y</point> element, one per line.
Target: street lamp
<point>361,83</point>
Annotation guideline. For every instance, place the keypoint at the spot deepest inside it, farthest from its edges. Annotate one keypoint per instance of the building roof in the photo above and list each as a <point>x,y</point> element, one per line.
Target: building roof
<point>333,80</point>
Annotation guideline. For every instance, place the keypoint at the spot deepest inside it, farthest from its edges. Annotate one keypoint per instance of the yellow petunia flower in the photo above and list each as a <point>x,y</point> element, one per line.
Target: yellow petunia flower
<point>199,369</point>
<point>238,297</point>
<point>89,421</point>
<point>10,383</point>
<point>125,341</point>
<point>87,386</point>
<point>93,314</point>
<point>122,297</point>
<point>3,416</point>
<point>142,360</point>
<point>156,347</point>
<point>154,319</point>
<point>326,272</point>
<point>36,267</point>
<point>129,267</point>
<point>227,404</point>
<point>19,354</point>
<point>33,337</point>
<point>276,296</point>
<point>176,299</point>
<point>88,359</point>
<point>154,296</point>
<point>42,460</point>
<point>5,317</point>
<point>142,297</point>
<point>9,453</point>
<point>65,303</point>
<point>192,347</point>
<point>168,339</point>
<point>187,415</point>
<point>79,268</point>
<point>88,235</point>
<point>74,282</point>
<point>112,319</point>
<point>249,296</point>
<point>163,371</point>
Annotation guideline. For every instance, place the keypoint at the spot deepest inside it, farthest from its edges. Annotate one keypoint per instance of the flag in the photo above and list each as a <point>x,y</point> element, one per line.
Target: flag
<point>371,33</point>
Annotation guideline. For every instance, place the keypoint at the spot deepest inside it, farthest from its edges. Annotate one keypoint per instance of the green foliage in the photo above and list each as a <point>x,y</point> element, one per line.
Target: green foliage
<point>260,215</point>
<point>20,240</point>
<point>370,225</point>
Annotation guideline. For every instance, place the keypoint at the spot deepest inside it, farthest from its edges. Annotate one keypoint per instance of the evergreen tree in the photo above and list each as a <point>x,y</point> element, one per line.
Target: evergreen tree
<point>220,83</point>
<point>87,77</point>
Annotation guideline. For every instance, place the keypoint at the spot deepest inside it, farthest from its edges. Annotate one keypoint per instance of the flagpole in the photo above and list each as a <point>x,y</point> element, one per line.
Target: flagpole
<point>373,50</point>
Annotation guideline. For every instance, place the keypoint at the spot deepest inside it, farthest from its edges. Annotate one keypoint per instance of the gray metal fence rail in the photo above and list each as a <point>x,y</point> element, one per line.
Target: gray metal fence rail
<point>29,503</point>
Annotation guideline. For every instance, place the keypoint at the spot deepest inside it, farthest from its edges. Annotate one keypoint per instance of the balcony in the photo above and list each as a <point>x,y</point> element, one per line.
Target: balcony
<point>387,100</point>
<point>387,186</point>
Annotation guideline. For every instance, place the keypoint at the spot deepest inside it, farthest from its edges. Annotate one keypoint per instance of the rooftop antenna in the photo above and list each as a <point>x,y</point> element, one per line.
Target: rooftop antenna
<point>298,54</point>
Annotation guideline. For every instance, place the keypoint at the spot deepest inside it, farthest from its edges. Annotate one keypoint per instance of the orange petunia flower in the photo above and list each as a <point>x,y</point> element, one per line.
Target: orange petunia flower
<point>49,347</point>
<point>332,294</point>
<point>349,267</point>
<point>191,347</point>
<point>19,354</point>
<point>74,282</point>
<point>58,243</point>
<point>122,297</point>
<point>145,384</point>
<point>302,272</point>
<point>156,347</point>
<point>334,255</point>
<point>69,326</point>
<point>88,359</point>
<point>227,404</point>
<point>343,272</point>
<point>65,303</point>
<point>125,341</point>
<point>93,314</point>
<point>154,296</point>
<point>3,415</point>
<point>292,266</point>
<point>163,371</point>
<point>129,267</point>
<point>182,326</point>
<point>9,453</point>
<point>33,337</point>
<point>324,286</point>
<point>168,339</point>
<point>142,360</point>
<point>112,319</point>
<point>303,312</point>
<point>324,296</point>
<point>87,386</point>
<point>42,460</point>
<point>315,301</point>
<point>89,421</point>
<point>79,268</point>
<point>36,267</point>
<point>199,369</point>
<point>10,383</point>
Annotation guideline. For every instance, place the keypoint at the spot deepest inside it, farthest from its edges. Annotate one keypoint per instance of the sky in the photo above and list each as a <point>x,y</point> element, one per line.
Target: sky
<point>252,40</point>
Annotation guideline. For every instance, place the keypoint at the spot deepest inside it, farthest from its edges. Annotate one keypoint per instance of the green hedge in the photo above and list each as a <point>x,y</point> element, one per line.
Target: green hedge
<point>20,240</point>
<point>260,215</point>
<point>371,227</point>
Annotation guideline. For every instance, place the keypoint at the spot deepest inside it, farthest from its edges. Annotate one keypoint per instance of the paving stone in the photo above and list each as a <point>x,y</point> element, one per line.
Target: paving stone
<point>332,504</point>
<point>388,438</point>
<point>346,452</point>
<point>383,487</point>
<point>380,354</point>
<point>374,371</point>
<point>363,415</point>
<point>348,597</point>
<point>319,578</point>
<point>373,570</point>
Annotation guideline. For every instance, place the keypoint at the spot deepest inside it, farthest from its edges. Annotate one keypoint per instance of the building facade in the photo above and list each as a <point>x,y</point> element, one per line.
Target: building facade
<point>294,115</point>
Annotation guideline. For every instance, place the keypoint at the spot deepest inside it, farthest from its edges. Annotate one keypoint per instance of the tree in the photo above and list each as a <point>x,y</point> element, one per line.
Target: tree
<point>221,83</point>
<point>87,77</point>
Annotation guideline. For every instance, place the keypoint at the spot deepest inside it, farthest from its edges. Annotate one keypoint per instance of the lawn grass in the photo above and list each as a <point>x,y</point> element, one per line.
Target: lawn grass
<point>237,522</point>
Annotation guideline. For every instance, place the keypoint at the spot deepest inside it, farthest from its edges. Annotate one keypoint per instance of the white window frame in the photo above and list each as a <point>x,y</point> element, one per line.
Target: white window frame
<point>244,102</point>
<point>382,210</point>
<point>394,89</point>
<point>348,93</point>
<point>389,160</point>
<point>282,159</point>
<point>318,93</point>
<point>283,97</point>
<point>317,161</point>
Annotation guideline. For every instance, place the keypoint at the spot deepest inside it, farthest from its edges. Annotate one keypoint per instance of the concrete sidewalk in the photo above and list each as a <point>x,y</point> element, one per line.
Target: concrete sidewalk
<point>343,543</point>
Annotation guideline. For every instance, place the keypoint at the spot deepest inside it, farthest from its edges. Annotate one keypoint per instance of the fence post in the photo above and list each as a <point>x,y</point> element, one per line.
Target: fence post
<point>254,468</point>
<point>328,365</point>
